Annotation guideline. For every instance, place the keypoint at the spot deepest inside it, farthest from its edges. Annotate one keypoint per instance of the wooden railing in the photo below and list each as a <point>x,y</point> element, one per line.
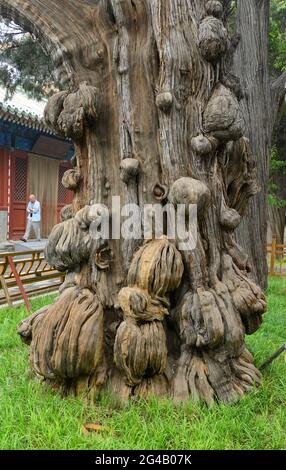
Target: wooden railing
<point>35,274</point>
<point>276,254</point>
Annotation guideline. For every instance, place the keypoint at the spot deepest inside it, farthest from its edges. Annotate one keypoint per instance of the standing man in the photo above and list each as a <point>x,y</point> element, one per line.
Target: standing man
<point>34,218</point>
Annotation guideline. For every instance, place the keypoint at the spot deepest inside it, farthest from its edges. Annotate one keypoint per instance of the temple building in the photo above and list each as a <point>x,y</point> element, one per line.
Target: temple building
<point>32,161</point>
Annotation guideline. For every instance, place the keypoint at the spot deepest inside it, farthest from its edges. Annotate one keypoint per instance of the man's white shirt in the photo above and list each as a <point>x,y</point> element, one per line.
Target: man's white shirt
<point>36,215</point>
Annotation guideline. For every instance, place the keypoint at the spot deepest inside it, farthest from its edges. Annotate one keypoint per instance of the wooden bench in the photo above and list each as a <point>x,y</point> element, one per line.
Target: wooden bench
<point>36,275</point>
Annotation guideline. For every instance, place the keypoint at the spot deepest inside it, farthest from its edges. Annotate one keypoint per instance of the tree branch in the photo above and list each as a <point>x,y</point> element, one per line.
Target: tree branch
<point>278,87</point>
<point>46,16</point>
<point>278,92</point>
<point>66,29</point>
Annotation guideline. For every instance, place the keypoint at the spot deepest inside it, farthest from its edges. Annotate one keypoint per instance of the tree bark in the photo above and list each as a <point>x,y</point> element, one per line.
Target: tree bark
<point>260,106</point>
<point>277,214</point>
<point>155,117</point>
<point>277,218</point>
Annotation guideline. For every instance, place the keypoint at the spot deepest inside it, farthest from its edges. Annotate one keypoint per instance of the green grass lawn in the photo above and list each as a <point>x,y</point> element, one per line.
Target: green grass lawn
<point>34,417</point>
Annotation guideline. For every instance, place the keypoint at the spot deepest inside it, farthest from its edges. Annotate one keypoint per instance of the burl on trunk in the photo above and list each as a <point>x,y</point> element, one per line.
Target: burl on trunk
<point>155,116</point>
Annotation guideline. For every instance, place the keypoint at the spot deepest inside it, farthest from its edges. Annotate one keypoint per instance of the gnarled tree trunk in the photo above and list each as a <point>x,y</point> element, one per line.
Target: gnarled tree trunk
<point>277,215</point>
<point>262,99</point>
<point>155,117</point>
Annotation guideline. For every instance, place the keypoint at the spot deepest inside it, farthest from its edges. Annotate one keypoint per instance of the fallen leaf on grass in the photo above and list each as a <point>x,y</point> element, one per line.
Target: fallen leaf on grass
<point>90,427</point>
<point>84,431</point>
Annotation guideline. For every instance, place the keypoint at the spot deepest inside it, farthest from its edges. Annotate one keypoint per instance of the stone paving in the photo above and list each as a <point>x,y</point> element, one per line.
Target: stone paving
<point>18,246</point>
